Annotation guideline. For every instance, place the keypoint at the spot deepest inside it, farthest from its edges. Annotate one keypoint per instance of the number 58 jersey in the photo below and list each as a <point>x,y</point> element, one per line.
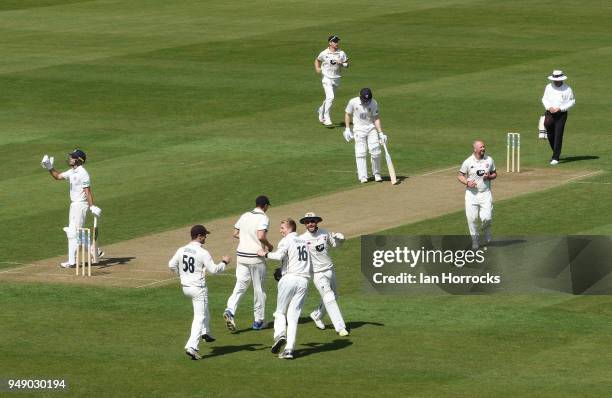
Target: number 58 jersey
<point>190,263</point>
<point>293,253</point>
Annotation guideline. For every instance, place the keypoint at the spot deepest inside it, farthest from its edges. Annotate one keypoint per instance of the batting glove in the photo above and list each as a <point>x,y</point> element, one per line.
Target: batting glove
<point>95,210</point>
<point>348,136</point>
<point>383,138</point>
<point>47,162</point>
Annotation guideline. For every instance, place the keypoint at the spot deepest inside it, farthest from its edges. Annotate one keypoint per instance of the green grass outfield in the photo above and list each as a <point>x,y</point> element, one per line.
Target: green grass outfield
<point>187,111</point>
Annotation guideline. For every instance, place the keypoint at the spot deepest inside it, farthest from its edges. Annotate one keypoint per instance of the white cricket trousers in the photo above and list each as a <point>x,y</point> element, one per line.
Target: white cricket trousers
<point>325,282</point>
<point>329,87</point>
<point>367,141</point>
<point>244,274</point>
<point>292,291</point>
<point>479,205</point>
<point>201,314</point>
<point>76,220</point>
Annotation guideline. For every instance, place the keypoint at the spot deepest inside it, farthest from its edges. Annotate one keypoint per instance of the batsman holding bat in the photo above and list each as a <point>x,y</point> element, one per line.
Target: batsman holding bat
<point>81,197</point>
<point>367,132</point>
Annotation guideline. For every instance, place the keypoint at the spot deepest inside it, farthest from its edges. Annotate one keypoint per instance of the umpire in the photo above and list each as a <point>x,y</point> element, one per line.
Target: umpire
<point>558,98</point>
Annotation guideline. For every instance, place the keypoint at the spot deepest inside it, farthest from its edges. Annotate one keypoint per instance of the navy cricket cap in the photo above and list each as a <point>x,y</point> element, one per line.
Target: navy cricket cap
<point>333,38</point>
<point>365,94</point>
<point>197,230</point>
<point>78,154</point>
<point>262,200</point>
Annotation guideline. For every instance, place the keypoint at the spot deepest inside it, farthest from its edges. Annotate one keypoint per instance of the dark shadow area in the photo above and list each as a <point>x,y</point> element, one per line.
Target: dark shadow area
<point>267,325</point>
<point>230,349</point>
<point>110,262</point>
<point>316,348</point>
<point>577,158</point>
<point>358,324</point>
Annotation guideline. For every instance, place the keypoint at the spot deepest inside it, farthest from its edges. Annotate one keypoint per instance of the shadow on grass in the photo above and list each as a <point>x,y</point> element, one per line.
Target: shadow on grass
<point>110,262</point>
<point>577,158</point>
<point>358,324</point>
<point>231,349</point>
<point>315,348</point>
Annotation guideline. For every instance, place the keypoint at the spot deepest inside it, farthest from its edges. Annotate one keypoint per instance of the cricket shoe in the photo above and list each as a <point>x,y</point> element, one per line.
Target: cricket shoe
<point>208,338</point>
<point>258,325</point>
<point>229,320</point>
<point>328,123</point>
<point>192,353</point>
<point>67,265</point>
<point>287,354</point>
<point>542,136</point>
<point>318,323</point>
<point>378,178</point>
<point>363,180</point>
<point>279,343</point>
<point>343,333</point>
<point>554,162</point>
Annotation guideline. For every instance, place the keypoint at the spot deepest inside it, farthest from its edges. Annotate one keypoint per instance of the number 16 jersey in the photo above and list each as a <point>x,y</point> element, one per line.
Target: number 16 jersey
<point>293,253</point>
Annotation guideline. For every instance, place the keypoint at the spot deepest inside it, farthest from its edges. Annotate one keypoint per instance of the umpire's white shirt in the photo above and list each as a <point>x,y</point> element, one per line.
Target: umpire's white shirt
<point>331,62</point>
<point>249,224</point>
<point>558,97</point>
<point>190,263</point>
<point>78,178</point>
<point>293,253</point>
<point>318,245</point>
<point>474,169</point>
<point>363,115</point>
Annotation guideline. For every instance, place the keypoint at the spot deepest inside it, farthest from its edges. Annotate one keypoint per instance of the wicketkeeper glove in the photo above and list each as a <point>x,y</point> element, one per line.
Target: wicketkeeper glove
<point>348,136</point>
<point>278,274</point>
<point>96,211</point>
<point>47,162</point>
<point>382,137</point>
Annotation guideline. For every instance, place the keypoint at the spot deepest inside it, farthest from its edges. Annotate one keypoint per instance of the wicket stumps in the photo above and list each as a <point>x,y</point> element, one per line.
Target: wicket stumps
<point>83,254</point>
<point>513,152</point>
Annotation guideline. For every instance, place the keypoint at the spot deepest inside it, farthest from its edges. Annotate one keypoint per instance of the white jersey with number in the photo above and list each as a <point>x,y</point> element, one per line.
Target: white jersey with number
<point>293,254</point>
<point>318,245</point>
<point>78,178</point>
<point>249,224</point>
<point>363,115</point>
<point>475,169</point>
<point>331,62</point>
<point>191,261</point>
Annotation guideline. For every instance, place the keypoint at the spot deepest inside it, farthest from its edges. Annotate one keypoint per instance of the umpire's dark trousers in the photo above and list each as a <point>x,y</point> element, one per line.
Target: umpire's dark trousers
<point>555,125</point>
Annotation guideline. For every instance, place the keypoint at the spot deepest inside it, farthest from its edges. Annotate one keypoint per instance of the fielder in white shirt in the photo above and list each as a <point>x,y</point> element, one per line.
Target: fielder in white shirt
<point>319,242</point>
<point>251,231</point>
<point>557,100</point>
<point>329,63</point>
<point>292,287</point>
<point>476,174</point>
<point>81,197</point>
<point>367,132</point>
<point>191,262</point>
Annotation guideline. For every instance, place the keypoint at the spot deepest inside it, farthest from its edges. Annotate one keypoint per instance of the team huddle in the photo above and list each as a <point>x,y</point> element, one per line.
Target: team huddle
<point>302,257</point>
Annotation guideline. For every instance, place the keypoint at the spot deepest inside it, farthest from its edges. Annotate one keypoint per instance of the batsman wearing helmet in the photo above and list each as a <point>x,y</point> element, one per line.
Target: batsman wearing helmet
<point>80,195</point>
<point>367,132</point>
<point>318,242</point>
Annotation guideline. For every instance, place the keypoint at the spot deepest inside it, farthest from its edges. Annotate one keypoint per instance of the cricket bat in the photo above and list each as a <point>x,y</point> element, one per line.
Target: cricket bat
<point>94,246</point>
<point>390,165</point>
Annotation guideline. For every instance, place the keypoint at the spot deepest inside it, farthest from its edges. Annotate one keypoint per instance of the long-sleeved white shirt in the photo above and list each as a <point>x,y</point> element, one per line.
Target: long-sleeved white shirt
<point>293,255</point>
<point>318,245</point>
<point>558,97</point>
<point>190,263</point>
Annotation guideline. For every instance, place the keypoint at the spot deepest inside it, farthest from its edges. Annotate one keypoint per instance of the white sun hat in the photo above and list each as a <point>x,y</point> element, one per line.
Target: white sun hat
<point>557,76</point>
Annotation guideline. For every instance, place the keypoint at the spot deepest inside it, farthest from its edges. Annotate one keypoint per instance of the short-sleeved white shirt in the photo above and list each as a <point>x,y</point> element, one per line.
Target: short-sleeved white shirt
<point>248,225</point>
<point>318,245</point>
<point>78,178</point>
<point>363,115</point>
<point>331,62</point>
<point>294,256</point>
<point>475,169</point>
<point>191,261</point>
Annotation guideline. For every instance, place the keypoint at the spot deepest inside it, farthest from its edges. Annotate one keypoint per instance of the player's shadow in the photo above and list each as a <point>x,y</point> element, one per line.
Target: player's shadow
<point>315,348</point>
<point>112,261</point>
<point>231,349</point>
<point>358,324</point>
<point>400,179</point>
<point>577,158</point>
<point>268,325</point>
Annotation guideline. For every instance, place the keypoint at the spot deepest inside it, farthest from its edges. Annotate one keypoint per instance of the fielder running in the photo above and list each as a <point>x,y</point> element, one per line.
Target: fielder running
<point>81,197</point>
<point>476,174</point>
<point>292,287</point>
<point>319,241</point>
<point>328,63</point>
<point>251,230</point>
<point>367,132</point>
<point>191,262</point>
